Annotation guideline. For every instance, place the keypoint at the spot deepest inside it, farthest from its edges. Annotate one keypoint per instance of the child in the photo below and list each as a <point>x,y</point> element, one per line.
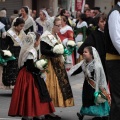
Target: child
<point>30,97</point>
<point>95,81</point>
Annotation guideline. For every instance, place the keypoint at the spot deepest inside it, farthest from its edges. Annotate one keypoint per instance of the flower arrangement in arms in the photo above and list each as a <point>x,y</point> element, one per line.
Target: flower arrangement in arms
<point>58,49</point>
<point>42,65</point>
<point>5,56</point>
<point>71,45</point>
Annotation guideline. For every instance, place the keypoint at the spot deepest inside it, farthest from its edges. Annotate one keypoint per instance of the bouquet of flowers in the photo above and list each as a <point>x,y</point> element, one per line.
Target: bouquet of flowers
<point>71,45</point>
<point>99,98</point>
<point>5,56</point>
<point>41,64</point>
<point>58,49</point>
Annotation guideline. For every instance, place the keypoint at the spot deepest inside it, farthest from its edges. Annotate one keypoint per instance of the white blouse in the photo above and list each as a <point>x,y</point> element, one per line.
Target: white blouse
<point>114,28</point>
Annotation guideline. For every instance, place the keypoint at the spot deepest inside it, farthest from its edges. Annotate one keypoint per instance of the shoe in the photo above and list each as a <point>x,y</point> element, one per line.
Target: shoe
<point>105,118</point>
<point>80,116</point>
<point>35,118</point>
<point>49,117</point>
<point>97,118</point>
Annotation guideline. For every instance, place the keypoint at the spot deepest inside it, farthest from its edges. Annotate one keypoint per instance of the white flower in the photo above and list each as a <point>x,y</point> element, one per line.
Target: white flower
<point>100,99</point>
<point>90,25</point>
<point>58,49</point>
<point>79,44</point>
<point>71,43</point>
<point>7,53</point>
<point>40,64</point>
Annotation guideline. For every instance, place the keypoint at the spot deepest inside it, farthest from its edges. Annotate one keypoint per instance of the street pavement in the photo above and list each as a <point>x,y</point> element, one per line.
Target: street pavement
<point>68,113</point>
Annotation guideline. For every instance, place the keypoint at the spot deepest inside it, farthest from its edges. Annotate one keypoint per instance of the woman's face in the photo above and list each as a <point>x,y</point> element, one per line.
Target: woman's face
<point>42,16</point>
<point>101,24</point>
<point>19,27</point>
<point>86,55</point>
<point>63,22</point>
<point>23,13</point>
<point>57,26</point>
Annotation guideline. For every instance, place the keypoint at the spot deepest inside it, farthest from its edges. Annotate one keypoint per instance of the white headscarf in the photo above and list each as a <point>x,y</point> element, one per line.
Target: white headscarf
<point>99,77</point>
<point>46,14</point>
<point>27,47</point>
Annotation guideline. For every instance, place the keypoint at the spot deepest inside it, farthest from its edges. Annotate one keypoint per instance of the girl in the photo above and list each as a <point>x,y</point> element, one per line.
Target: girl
<point>95,81</point>
<point>30,96</point>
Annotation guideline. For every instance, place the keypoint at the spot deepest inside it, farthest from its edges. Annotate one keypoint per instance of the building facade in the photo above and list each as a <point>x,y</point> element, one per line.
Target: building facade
<point>52,4</point>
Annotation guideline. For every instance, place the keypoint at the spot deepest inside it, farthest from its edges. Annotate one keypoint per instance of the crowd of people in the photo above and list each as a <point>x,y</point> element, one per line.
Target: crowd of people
<point>38,53</point>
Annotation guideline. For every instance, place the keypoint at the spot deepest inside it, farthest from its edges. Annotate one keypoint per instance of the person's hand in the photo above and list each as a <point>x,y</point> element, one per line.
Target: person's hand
<point>109,99</point>
<point>37,43</point>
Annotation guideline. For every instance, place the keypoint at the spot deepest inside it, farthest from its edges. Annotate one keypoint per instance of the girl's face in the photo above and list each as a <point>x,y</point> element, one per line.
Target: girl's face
<point>19,27</point>
<point>101,24</point>
<point>23,13</point>
<point>86,55</point>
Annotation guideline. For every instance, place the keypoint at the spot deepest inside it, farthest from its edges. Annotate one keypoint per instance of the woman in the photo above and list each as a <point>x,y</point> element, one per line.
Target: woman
<point>57,80</point>
<point>13,42</point>
<point>43,22</point>
<point>30,25</point>
<point>80,32</point>
<point>30,97</point>
<point>95,95</point>
<point>66,34</point>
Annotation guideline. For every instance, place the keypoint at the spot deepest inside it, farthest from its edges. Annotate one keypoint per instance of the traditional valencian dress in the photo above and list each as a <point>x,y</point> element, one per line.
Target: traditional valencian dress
<point>57,80</point>
<point>30,96</point>
<point>66,34</point>
<point>13,43</point>
<point>94,72</point>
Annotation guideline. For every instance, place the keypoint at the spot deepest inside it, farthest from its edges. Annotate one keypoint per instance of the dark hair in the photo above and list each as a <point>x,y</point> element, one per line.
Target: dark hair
<point>62,12</point>
<point>15,11</point>
<point>103,16</point>
<point>43,12</point>
<point>90,50</point>
<point>4,9</point>
<point>26,9</point>
<point>56,19</point>
<point>88,9</point>
<point>82,17</point>
<point>19,21</point>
